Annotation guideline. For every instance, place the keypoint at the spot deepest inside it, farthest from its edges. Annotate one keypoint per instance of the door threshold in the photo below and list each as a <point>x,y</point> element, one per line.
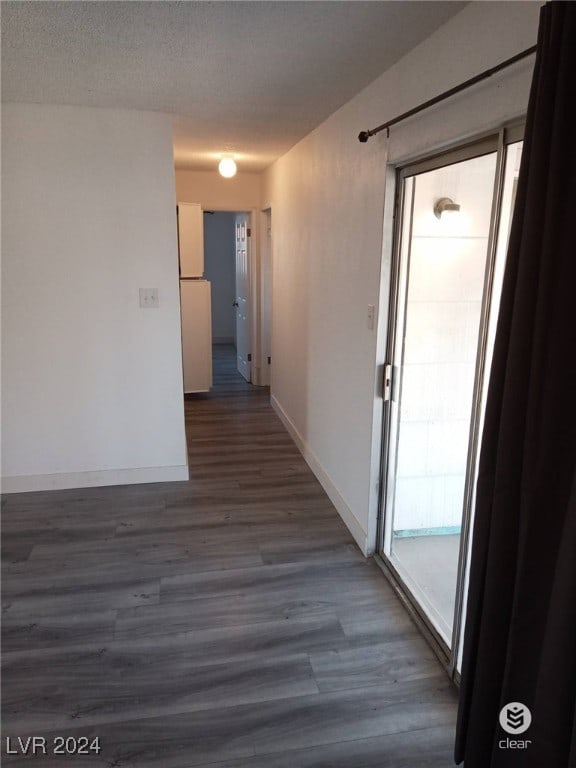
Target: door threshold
<point>431,636</point>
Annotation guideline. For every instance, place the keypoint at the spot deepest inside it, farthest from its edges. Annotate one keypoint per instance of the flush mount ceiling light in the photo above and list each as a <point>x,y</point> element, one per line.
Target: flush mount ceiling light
<point>227,167</point>
<point>445,204</point>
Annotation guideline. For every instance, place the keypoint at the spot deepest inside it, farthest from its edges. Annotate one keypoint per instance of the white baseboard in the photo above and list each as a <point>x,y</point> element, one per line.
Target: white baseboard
<point>60,481</point>
<point>359,534</point>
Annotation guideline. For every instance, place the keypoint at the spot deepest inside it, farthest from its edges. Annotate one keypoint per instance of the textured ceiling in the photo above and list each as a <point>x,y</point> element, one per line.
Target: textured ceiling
<point>250,77</point>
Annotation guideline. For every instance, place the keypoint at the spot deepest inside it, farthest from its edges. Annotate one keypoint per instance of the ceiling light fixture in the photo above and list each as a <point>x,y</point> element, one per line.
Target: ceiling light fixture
<point>445,204</point>
<point>227,167</point>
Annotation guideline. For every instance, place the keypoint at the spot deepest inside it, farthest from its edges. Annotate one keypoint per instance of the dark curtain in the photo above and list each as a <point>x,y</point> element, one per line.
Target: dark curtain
<point>520,638</point>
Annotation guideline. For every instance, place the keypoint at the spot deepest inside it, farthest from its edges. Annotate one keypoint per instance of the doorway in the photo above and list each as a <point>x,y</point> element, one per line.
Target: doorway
<point>230,268</point>
<point>452,225</point>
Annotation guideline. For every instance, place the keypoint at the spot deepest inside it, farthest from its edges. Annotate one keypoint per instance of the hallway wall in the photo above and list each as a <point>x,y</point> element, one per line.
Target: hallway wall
<point>92,383</point>
<point>241,193</point>
<point>327,197</point>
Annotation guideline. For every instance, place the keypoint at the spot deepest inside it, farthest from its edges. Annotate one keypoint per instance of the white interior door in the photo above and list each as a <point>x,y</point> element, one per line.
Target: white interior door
<point>242,302</point>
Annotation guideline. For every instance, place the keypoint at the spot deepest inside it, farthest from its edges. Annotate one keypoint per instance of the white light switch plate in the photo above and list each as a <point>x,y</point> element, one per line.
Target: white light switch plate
<point>148,298</point>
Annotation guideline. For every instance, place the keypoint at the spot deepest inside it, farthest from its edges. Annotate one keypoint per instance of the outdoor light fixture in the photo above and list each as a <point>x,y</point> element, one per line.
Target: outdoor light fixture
<point>227,167</point>
<point>445,204</point>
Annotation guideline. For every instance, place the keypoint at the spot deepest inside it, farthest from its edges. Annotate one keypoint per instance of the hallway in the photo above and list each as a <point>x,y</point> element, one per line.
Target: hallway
<point>227,621</point>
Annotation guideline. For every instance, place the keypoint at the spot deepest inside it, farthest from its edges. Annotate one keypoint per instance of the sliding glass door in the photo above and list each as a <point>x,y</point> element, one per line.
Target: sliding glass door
<point>452,225</point>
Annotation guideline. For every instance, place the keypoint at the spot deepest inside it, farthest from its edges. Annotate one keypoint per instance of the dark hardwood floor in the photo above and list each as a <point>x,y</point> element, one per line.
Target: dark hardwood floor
<point>229,621</point>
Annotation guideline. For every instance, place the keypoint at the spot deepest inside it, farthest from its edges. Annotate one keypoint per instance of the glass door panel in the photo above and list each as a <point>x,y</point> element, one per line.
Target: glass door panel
<point>509,184</point>
<point>445,232</point>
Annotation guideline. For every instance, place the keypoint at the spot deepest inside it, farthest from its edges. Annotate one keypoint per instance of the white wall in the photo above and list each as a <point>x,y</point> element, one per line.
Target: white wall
<point>220,269</point>
<point>92,384</point>
<point>240,193</point>
<point>327,198</point>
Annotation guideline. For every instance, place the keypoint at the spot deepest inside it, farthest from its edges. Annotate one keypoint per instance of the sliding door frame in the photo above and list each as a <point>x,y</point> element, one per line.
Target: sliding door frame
<point>495,141</point>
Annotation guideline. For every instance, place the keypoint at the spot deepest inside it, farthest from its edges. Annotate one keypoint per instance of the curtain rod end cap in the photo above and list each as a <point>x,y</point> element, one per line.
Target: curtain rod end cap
<point>363,136</point>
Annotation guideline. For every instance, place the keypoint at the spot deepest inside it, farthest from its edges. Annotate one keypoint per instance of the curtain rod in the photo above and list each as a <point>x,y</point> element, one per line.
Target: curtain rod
<point>363,136</point>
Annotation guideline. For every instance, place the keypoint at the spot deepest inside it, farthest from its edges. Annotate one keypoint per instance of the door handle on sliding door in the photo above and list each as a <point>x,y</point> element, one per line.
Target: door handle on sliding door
<point>388,382</point>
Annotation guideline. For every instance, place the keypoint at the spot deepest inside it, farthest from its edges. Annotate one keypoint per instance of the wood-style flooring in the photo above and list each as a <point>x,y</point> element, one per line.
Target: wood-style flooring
<point>229,621</point>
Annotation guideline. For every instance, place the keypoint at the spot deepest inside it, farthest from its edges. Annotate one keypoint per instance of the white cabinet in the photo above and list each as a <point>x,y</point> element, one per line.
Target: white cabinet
<point>196,335</point>
<point>191,239</point>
